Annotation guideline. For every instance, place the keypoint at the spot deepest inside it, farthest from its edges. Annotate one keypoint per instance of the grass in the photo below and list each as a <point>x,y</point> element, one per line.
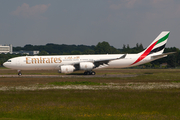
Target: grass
<point>88,104</point>
<point>3,68</point>
<point>92,104</point>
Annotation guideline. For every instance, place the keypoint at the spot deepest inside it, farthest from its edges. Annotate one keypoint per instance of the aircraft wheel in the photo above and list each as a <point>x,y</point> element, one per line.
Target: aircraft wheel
<point>85,73</point>
<point>88,73</point>
<point>93,73</point>
<point>19,73</point>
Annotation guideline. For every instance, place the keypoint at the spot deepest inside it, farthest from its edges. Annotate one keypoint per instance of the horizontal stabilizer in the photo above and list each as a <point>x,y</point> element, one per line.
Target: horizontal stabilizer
<point>162,55</point>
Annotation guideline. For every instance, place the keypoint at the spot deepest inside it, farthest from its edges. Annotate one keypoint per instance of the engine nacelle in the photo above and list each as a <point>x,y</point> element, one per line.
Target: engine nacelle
<point>86,66</point>
<point>67,69</point>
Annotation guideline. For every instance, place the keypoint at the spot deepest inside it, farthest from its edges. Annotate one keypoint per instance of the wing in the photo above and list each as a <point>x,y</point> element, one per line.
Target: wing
<point>97,63</point>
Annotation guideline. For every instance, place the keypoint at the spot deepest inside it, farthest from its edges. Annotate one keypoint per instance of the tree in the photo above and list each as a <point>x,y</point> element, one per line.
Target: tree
<point>75,52</point>
<point>28,47</point>
<point>43,53</point>
<point>89,51</point>
<point>105,48</point>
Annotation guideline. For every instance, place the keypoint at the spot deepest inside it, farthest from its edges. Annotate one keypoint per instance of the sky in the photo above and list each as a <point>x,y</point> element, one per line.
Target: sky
<point>87,22</point>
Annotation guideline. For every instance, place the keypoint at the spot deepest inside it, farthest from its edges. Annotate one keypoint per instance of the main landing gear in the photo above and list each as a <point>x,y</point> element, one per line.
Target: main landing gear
<point>89,73</point>
<point>19,72</point>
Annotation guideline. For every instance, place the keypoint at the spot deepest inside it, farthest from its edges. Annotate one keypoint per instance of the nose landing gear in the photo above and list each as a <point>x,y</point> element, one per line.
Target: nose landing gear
<point>19,72</point>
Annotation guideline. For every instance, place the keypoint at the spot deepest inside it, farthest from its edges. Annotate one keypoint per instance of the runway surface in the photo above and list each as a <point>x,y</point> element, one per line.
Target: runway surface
<point>62,76</point>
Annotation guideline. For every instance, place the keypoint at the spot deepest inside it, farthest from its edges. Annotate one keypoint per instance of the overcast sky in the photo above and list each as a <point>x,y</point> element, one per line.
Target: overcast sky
<point>88,22</point>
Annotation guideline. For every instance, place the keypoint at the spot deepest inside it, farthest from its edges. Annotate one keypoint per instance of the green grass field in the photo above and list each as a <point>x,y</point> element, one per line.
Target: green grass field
<point>88,104</point>
<point>80,104</point>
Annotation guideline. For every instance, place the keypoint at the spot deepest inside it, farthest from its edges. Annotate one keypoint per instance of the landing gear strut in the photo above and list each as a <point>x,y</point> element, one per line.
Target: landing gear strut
<point>89,73</point>
<point>19,72</point>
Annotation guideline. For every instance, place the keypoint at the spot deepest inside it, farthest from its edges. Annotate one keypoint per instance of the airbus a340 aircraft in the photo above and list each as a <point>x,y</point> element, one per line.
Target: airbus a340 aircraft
<point>70,63</point>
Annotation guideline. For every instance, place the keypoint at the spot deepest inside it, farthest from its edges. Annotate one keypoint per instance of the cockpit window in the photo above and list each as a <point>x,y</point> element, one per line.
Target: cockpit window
<point>9,61</point>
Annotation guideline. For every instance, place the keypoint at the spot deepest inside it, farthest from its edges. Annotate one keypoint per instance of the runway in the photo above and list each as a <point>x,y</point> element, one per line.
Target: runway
<point>63,76</point>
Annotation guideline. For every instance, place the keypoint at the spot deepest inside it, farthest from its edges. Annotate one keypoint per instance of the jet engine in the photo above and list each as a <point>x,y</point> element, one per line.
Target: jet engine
<point>67,69</point>
<point>86,66</point>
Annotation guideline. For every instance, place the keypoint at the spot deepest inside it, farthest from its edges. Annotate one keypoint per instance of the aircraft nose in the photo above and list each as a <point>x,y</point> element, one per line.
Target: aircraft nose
<point>7,65</point>
<point>4,64</point>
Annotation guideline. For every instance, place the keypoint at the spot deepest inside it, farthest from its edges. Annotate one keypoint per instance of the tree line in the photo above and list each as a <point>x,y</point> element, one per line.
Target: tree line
<point>172,61</point>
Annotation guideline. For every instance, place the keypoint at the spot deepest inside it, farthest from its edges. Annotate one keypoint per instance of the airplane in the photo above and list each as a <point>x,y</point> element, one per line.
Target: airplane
<point>70,63</point>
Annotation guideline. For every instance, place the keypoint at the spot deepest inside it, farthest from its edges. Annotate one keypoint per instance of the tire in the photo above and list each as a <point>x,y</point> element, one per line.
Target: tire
<point>85,73</point>
<point>19,74</point>
<point>88,73</point>
<point>93,73</point>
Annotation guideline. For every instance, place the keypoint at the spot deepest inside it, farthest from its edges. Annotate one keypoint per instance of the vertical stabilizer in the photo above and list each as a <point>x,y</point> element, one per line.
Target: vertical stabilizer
<point>156,47</point>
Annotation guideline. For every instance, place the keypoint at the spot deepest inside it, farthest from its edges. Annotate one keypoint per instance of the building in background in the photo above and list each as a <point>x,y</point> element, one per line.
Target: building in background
<point>6,49</point>
<point>22,52</point>
<point>9,49</point>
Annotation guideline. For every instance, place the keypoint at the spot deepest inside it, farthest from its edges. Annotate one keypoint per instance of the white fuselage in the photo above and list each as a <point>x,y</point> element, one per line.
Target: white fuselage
<point>54,62</point>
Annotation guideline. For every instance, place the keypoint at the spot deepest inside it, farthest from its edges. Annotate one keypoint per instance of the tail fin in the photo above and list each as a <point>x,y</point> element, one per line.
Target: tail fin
<point>156,47</point>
